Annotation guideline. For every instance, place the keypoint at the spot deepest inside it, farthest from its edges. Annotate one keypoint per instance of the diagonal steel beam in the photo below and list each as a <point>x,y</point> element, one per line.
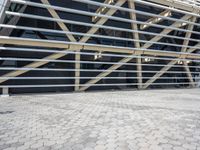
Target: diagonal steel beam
<point>71,38</point>
<point>173,62</point>
<point>176,4</point>
<point>102,21</point>
<point>137,43</point>
<point>155,20</point>
<point>61,24</point>
<point>188,34</point>
<point>102,10</point>
<point>184,49</point>
<point>53,56</point>
<point>189,75</point>
<point>94,48</point>
<point>166,31</point>
<point>59,55</point>
<point>125,60</point>
<point>93,30</point>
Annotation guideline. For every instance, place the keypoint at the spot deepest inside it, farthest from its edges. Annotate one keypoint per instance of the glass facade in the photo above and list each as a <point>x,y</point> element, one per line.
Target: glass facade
<point>87,45</point>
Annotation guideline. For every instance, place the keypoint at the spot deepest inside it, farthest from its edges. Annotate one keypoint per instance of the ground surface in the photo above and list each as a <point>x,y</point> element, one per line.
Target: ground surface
<point>131,120</point>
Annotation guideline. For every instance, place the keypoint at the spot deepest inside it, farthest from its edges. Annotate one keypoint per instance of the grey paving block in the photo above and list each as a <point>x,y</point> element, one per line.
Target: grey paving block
<point>132,120</point>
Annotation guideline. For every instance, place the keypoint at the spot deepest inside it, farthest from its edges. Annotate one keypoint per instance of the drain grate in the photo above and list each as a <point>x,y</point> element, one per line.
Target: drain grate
<point>5,112</point>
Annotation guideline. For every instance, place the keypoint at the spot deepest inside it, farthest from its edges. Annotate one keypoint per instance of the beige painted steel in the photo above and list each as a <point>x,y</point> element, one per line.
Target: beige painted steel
<point>155,20</point>
<point>71,38</point>
<point>76,47</point>
<point>93,30</point>
<point>137,43</point>
<point>53,56</point>
<point>31,65</point>
<point>189,75</point>
<point>101,21</point>
<point>47,44</point>
<point>91,47</point>
<point>184,49</point>
<point>173,62</point>
<point>61,24</point>
<point>101,10</point>
<point>166,31</point>
<point>177,4</point>
<point>147,45</point>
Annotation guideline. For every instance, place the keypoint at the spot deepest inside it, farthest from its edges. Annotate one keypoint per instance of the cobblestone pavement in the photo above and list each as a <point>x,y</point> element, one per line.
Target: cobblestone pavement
<point>121,120</point>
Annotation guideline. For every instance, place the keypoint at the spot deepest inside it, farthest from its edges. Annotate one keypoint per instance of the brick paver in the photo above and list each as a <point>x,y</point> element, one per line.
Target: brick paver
<point>121,120</point>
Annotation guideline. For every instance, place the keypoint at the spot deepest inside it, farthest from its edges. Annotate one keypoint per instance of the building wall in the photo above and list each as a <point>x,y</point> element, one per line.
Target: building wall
<point>109,56</point>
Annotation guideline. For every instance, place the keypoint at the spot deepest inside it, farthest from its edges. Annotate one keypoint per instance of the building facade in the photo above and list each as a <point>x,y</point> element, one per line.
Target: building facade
<point>87,45</point>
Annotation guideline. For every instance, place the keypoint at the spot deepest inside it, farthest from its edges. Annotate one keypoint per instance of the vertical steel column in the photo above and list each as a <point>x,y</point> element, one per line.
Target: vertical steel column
<point>184,49</point>
<point>137,43</point>
<point>5,92</point>
<point>71,38</point>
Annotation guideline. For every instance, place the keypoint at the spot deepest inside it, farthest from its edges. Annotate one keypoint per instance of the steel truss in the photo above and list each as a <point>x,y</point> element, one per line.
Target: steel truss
<point>142,51</point>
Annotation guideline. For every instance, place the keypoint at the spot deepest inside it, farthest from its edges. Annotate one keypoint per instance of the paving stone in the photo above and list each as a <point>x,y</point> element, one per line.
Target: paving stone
<point>23,147</point>
<point>37,145</point>
<point>100,147</point>
<point>178,148</point>
<point>189,146</point>
<point>4,146</point>
<point>10,148</point>
<point>88,148</point>
<point>132,120</point>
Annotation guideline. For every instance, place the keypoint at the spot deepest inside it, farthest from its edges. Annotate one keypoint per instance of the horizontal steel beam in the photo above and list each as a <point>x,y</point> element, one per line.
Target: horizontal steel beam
<point>93,47</point>
<point>69,10</point>
<point>71,78</point>
<point>72,85</point>
<point>87,70</point>
<point>103,16</point>
<point>101,62</point>
<point>100,26</point>
<point>180,5</point>
<point>94,35</point>
<point>92,53</point>
<point>173,6</point>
